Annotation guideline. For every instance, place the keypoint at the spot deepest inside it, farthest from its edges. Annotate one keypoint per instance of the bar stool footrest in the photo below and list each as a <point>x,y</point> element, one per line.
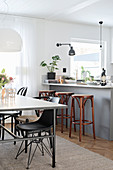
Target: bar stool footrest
<point>77,122</point>
<point>64,116</point>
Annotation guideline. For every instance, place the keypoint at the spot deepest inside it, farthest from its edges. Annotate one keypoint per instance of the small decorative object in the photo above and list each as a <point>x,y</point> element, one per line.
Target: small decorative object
<point>68,79</point>
<point>86,75</point>
<point>103,77</point>
<point>52,66</point>
<point>60,80</point>
<point>4,79</point>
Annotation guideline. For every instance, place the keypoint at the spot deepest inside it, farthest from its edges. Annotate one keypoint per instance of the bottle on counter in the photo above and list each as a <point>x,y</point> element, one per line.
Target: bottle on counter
<point>103,77</point>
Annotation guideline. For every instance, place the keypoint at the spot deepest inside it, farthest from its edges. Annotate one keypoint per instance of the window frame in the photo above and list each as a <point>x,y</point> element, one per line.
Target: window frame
<point>102,54</point>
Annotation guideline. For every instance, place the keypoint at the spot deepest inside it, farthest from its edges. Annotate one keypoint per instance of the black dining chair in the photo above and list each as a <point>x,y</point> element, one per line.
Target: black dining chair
<point>41,128</point>
<point>30,118</point>
<point>12,114</point>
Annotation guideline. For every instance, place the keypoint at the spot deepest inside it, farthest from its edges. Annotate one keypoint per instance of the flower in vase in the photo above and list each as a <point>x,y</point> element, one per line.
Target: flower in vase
<point>4,79</point>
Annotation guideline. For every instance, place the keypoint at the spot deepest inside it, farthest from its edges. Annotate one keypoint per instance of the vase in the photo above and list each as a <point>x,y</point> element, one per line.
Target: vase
<point>2,93</point>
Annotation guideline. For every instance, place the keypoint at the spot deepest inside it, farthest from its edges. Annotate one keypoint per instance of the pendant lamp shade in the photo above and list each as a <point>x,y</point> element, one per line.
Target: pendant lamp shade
<point>71,51</point>
<point>10,40</point>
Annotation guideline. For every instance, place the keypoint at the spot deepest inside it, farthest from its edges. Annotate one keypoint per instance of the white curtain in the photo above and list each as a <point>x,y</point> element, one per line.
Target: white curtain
<point>28,63</point>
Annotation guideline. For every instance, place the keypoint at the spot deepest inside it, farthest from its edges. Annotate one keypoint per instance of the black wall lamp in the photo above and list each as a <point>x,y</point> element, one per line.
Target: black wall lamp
<point>71,51</point>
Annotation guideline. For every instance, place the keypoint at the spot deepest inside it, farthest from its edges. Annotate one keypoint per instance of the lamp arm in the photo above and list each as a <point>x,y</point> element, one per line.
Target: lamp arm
<point>59,44</point>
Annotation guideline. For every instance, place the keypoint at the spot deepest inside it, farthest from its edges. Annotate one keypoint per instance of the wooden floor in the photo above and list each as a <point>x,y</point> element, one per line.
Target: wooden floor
<point>100,146</point>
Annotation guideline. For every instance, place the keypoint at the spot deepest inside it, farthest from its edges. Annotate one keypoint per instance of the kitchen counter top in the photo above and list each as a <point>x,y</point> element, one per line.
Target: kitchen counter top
<point>79,85</point>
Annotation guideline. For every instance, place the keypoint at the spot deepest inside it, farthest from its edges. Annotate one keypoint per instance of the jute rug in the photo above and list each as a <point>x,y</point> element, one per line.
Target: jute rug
<point>69,156</point>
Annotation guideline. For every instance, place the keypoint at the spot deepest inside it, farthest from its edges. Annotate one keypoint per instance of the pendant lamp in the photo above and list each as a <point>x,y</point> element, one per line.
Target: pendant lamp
<point>10,40</point>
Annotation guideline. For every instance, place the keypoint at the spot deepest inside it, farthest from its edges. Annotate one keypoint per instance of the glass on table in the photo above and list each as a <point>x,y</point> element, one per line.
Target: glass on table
<point>10,92</point>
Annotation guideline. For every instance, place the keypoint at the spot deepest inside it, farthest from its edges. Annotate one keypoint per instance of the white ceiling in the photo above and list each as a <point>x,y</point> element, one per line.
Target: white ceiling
<point>77,11</point>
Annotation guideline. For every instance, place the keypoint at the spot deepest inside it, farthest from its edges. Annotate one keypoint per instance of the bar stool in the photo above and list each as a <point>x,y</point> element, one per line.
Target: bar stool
<point>81,100</point>
<point>64,98</point>
<point>47,93</point>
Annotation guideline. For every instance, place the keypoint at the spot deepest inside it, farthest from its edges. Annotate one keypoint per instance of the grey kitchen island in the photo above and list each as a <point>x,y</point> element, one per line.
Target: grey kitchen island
<point>103,105</point>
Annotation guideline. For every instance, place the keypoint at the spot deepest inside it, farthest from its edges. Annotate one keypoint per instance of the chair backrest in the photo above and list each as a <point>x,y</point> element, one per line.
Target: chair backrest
<point>47,115</point>
<point>22,91</point>
<point>53,99</point>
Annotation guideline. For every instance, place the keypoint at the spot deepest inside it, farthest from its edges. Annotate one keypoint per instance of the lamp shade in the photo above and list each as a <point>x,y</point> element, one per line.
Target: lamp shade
<point>10,40</point>
<point>71,51</point>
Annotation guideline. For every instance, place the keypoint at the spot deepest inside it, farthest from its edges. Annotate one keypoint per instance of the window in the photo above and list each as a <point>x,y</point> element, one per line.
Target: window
<point>88,56</point>
<point>10,61</point>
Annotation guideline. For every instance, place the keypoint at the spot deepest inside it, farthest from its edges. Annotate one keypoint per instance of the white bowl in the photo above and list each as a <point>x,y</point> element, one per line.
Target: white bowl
<point>70,81</point>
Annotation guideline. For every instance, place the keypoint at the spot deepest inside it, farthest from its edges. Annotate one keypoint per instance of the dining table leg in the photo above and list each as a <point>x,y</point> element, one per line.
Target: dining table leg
<point>54,139</point>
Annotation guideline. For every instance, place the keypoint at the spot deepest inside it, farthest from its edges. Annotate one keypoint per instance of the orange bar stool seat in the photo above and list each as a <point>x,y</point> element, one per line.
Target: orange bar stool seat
<point>64,98</point>
<point>47,93</point>
<point>81,100</point>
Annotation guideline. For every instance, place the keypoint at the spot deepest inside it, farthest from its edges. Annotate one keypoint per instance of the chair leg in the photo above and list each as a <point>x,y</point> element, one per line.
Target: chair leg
<point>80,131</point>
<point>12,124</point>
<point>28,163</point>
<point>62,116</point>
<point>15,129</point>
<point>18,153</point>
<point>66,113</point>
<point>61,120</point>
<point>26,142</point>
<point>92,100</point>
<point>42,147</point>
<point>26,135</point>
<point>83,120</point>
<point>51,144</point>
<point>71,118</point>
<point>3,128</point>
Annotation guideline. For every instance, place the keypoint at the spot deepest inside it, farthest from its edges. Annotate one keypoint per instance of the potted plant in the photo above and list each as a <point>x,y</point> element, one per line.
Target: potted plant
<point>86,75</point>
<point>52,66</point>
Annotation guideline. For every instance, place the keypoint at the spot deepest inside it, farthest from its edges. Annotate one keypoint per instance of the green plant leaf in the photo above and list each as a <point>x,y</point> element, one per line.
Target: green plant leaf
<point>3,70</point>
<point>43,64</point>
<point>52,65</point>
<point>56,57</point>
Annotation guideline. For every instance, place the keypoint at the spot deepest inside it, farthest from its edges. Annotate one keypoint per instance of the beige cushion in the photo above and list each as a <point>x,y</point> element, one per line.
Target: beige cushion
<point>31,118</point>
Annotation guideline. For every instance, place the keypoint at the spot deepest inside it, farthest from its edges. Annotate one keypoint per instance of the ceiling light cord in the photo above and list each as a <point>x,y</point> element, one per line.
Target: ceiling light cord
<point>100,22</point>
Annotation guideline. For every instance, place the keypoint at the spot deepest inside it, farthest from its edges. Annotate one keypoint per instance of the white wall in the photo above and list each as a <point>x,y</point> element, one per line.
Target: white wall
<point>41,44</point>
<point>63,32</point>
